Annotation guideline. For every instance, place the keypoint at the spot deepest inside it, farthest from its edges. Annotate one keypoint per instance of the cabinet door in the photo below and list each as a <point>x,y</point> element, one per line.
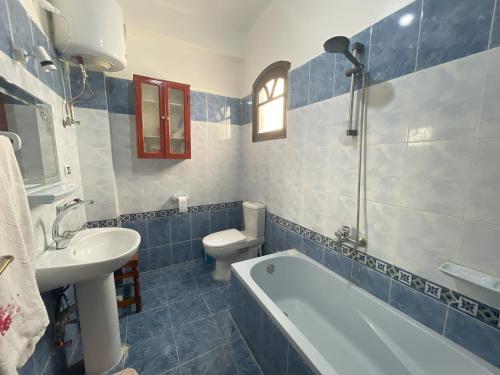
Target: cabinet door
<point>150,117</point>
<point>178,121</point>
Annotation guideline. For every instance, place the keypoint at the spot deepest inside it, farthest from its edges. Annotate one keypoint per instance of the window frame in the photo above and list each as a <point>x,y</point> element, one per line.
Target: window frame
<point>276,70</point>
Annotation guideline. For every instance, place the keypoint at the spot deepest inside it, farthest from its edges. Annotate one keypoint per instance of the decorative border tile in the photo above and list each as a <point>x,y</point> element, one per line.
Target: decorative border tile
<point>102,223</point>
<point>455,300</point>
<point>174,211</point>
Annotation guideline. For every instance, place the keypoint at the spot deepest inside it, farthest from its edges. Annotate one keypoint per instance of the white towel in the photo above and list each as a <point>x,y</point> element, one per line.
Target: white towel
<point>23,317</point>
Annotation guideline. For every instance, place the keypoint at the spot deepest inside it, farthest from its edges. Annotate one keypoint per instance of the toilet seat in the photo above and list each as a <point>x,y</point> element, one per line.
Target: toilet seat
<point>224,238</point>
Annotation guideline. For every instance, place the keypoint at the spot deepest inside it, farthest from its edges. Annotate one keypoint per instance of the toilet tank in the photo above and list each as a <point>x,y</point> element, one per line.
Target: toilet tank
<point>254,219</point>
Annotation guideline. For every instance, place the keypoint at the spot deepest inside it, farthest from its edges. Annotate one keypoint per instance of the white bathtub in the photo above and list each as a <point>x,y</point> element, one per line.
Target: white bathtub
<point>340,329</point>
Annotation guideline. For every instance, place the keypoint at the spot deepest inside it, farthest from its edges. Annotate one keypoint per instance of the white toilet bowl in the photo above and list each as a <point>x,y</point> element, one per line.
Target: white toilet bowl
<point>230,246</point>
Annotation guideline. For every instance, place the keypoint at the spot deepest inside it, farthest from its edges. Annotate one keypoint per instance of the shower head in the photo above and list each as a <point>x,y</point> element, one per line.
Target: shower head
<point>340,44</point>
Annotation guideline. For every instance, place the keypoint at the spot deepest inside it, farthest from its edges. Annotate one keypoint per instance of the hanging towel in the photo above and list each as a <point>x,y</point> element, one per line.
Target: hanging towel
<point>23,317</point>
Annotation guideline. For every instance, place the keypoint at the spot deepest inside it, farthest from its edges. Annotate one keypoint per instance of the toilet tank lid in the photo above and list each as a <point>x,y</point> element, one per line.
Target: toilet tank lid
<point>224,238</point>
<point>254,205</point>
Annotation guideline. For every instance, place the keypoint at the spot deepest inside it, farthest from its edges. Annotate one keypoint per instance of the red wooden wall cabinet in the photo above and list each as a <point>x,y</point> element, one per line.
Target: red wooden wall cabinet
<point>163,121</point>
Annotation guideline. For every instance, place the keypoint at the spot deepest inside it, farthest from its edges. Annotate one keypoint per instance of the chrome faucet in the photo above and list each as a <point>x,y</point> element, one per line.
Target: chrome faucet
<point>349,238</point>
<point>62,239</point>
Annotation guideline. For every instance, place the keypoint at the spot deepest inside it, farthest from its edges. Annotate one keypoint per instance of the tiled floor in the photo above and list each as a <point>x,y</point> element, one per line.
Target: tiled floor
<point>185,326</point>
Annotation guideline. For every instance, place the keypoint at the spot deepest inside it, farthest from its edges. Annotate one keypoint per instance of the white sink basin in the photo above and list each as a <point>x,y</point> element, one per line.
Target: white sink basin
<point>90,254</point>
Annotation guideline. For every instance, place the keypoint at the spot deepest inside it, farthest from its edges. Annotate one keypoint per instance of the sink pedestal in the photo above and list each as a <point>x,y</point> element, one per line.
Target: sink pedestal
<point>99,324</point>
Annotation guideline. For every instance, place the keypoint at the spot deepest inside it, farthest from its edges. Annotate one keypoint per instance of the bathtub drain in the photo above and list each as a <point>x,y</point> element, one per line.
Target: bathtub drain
<point>270,268</point>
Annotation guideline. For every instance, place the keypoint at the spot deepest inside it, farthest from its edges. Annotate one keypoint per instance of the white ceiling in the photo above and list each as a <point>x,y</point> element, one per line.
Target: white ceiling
<point>216,25</point>
<point>235,14</point>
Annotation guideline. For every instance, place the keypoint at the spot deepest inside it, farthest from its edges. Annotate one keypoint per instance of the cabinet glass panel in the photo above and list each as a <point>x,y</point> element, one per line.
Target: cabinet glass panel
<point>176,123</point>
<point>151,117</point>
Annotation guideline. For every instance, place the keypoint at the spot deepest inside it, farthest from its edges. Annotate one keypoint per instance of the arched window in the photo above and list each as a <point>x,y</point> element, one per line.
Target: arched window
<point>269,102</point>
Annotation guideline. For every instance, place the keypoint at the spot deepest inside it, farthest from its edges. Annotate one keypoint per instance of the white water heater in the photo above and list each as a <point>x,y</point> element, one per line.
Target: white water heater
<point>94,33</point>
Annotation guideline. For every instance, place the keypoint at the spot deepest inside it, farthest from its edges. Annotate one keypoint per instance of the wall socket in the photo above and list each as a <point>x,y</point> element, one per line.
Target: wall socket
<point>67,170</point>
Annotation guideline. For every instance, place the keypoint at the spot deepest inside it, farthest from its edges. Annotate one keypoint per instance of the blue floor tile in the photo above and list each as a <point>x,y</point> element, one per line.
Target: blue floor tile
<point>243,359</point>
<point>196,338</point>
<point>177,274</point>
<point>154,356</point>
<point>226,326</point>
<point>181,290</point>
<point>152,279</point>
<point>218,299</point>
<point>153,299</point>
<point>208,283</point>
<point>188,311</point>
<point>216,362</point>
<point>147,324</point>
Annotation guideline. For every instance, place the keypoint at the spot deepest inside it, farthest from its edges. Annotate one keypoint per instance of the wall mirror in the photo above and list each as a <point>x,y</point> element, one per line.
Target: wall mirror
<point>31,119</point>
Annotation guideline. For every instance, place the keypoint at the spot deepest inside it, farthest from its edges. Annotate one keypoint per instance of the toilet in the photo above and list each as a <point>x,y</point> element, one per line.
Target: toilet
<point>230,246</point>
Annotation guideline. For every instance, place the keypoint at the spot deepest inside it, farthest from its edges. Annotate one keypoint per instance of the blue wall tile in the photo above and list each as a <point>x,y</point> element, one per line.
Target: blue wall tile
<point>218,220</point>
<point>5,37</point>
<point>58,76</point>
<point>180,227</point>
<point>293,240</point>
<point>97,82</point>
<point>298,87</point>
<point>372,281</point>
<point>297,365</point>
<point>216,107</point>
<point>420,307</point>
<point>452,29</point>
<point>139,226</point>
<point>246,109</point>
<point>342,83</point>
<point>321,77</point>
<point>21,31</point>
<point>181,252</point>
<point>233,109</point>
<point>197,248</point>
<point>235,218</point>
<point>40,39</point>
<point>198,106</point>
<point>247,314</point>
<point>200,224</point>
<point>476,336</point>
<point>158,231</point>
<point>277,240</point>
<point>314,250</point>
<point>274,348</point>
<point>338,263</point>
<point>159,257</point>
<point>495,33</point>
<point>121,95</point>
<point>393,49</point>
<point>144,261</point>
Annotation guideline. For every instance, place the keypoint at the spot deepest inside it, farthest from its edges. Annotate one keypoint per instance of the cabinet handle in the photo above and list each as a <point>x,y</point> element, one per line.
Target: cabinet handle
<point>163,117</point>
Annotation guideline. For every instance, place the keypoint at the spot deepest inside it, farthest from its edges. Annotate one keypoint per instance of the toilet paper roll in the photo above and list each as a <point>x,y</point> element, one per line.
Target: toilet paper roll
<point>183,204</point>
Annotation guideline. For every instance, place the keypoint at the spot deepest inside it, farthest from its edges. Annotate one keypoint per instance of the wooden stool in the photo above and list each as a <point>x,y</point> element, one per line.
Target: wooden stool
<point>131,269</point>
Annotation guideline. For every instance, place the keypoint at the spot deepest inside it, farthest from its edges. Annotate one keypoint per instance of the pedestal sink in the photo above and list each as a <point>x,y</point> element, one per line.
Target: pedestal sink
<point>89,261</point>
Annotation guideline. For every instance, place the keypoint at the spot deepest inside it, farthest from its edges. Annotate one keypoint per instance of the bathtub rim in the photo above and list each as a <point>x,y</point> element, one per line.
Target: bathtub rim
<point>306,349</point>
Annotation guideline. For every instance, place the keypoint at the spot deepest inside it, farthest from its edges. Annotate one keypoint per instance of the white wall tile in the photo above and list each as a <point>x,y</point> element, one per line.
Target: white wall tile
<point>389,106</point>
<point>483,202</point>
<point>426,240</point>
<point>436,176</point>
<point>447,100</point>
<point>384,171</point>
<point>489,123</point>
<point>480,247</point>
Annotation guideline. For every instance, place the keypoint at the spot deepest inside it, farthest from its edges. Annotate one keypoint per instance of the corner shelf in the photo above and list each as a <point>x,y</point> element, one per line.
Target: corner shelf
<point>46,194</point>
<point>471,276</point>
